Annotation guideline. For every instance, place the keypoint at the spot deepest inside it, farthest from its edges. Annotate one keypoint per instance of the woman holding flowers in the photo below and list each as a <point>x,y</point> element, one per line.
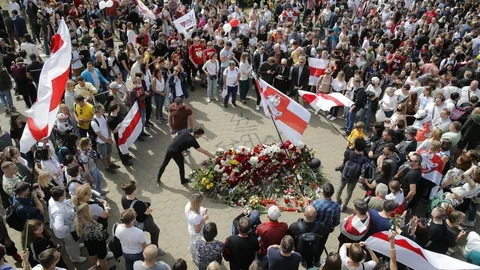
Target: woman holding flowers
<point>196,217</point>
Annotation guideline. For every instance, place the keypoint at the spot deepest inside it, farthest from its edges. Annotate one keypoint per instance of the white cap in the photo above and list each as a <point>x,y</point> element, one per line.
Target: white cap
<point>273,212</point>
<point>114,85</point>
<point>420,114</point>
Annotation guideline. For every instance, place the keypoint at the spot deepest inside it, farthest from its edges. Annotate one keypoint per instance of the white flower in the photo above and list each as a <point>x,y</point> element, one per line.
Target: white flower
<point>301,144</point>
<point>253,160</point>
<point>218,169</point>
<point>220,150</point>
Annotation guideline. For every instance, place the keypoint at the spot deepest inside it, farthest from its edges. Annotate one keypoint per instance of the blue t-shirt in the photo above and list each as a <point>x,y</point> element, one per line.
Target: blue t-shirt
<point>377,223</point>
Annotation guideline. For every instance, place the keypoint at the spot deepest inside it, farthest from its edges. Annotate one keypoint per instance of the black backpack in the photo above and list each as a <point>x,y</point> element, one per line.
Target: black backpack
<point>13,220</point>
<point>114,245</point>
<point>353,167</point>
<point>307,242</point>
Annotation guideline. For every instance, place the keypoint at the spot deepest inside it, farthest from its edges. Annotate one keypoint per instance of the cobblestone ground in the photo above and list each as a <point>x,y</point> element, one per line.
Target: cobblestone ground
<point>225,128</point>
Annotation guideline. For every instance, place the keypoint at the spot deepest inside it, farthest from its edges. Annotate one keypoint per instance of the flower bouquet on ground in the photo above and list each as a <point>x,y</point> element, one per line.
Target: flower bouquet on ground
<point>266,174</point>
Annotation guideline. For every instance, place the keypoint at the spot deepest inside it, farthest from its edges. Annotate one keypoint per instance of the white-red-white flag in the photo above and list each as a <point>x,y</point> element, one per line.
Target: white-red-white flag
<point>317,68</point>
<point>145,10</point>
<point>130,129</point>
<point>51,86</point>
<point>290,117</point>
<point>412,255</point>
<point>324,102</point>
<point>432,166</point>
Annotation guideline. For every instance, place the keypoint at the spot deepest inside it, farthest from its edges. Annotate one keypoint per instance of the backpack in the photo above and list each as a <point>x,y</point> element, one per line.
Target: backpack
<point>136,223</point>
<point>93,137</point>
<point>438,201</point>
<point>115,245</point>
<point>353,167</point>
<point>60,154</point>
<point>307,242</point>
<point>457,113</point>
<point>13,220</point>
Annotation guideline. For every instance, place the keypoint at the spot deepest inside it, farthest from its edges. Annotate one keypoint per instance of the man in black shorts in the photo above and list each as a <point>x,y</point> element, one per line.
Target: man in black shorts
<point>183,141</point>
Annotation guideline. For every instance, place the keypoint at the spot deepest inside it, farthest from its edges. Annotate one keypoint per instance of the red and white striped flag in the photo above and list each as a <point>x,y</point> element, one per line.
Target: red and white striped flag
<point>432,166</point>
<point>145,10</point>
<point>51,86</point>
<point>317,68</point>
<point>291,118</point>
<point>324,102</point>
<point>130,129</point>
<point>412,255</point>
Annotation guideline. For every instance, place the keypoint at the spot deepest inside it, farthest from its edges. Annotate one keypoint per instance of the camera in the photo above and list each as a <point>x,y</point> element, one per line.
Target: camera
<point>42,152</point>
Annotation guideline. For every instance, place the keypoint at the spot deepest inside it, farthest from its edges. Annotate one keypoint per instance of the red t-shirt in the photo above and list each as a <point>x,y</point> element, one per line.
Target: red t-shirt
<point>140,93</point>
<point>196,51</point>
<point>396,64</point>
<point>430,15</point>
<point>271,233</point>
<point>209,52</point>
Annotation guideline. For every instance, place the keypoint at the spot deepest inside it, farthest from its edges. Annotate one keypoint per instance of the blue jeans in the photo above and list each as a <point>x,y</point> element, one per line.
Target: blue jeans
<point>6,98</point>
<point>130,259</point>
<point>211,87</point>
<point>472,211</point>
<point>350,120</point>
<point>143,114</point>
<point>231,90</point>
<point>46,44</point>
<point>220,77</point>
<point>124,75</point>
<point>367,115</point>
<point>159,101</point>
<point>97,179</point>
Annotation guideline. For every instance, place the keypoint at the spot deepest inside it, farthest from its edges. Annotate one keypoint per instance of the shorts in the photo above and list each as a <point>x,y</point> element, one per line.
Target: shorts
<point>104,149</point>
<point>194,70</point>
<point>96,248</point>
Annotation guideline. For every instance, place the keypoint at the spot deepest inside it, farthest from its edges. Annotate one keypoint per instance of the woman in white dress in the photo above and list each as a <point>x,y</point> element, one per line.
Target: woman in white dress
<point>30,47</point>
<point>196,217</point>
<point>131,35</point>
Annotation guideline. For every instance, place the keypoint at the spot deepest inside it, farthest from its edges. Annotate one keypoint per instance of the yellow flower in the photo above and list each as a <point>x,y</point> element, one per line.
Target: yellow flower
<point>234,162</point>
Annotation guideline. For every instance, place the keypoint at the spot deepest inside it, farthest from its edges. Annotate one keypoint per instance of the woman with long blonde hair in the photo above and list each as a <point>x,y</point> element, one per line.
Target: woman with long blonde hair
<point>98,208</point>
<point>93,235</point>
<point>196,217</point>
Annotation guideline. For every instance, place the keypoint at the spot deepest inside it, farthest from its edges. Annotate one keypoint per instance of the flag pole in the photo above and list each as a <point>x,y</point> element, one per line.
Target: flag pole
<point>279,135</point>
<point>286,152</point>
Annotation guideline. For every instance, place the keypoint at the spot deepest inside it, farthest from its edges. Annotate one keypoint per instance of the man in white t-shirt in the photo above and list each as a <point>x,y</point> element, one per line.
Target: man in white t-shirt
<point>132,238</point>
<point>48,260</point>
<point>433,109</point>
<point>104,137</point>
<point>77,66</point>
<point>469,91</point>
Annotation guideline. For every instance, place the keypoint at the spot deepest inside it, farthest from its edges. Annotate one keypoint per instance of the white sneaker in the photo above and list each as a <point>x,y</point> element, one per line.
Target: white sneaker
<point>216,98</point>
<point>208,100</point>
<point>109,255</point>
<point>328,117</point>
<point>316,112</point>
<point>81,245</point>
<point>467,223</point>
<point>79,260</point>
<point>332,118</point>
<point>257,108</point>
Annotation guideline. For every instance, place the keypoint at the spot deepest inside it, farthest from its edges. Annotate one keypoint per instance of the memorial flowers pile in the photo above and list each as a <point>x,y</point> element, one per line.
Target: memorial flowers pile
<point>265,174</point>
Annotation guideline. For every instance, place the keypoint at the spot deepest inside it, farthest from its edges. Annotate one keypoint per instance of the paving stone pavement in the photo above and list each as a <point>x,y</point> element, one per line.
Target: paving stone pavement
<point>225,128</point>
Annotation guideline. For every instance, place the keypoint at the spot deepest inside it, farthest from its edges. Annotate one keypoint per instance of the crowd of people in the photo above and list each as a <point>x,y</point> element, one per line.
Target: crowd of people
<point>410,67</point>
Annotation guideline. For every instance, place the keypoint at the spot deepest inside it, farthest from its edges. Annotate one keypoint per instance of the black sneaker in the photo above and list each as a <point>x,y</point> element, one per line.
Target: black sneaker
<point>140,138</point>
<point>185,181</point>
<point>144,134</point>
<point>114,165</point>
<point>110,169</point>
<point>127,163</point>
<point>158,182</point>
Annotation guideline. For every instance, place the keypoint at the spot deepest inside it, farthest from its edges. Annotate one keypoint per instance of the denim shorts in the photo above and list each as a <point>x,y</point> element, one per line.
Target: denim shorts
<point>104,149</point>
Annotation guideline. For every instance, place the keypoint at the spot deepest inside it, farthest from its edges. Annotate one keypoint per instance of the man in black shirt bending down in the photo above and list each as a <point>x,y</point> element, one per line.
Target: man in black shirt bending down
<point>183,141</point>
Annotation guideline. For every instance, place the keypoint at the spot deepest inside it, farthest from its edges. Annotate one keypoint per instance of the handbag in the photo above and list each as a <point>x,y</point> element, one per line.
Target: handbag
<point>380,114</point>
<point>224,92</point>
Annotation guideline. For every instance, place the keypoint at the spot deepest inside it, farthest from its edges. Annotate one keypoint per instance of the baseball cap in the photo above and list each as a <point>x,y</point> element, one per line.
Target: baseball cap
<point>420,114</point>
<point>273,212</point>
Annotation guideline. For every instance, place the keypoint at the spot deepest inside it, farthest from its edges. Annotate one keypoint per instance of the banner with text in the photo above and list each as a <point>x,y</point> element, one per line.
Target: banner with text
<point>186,22</point>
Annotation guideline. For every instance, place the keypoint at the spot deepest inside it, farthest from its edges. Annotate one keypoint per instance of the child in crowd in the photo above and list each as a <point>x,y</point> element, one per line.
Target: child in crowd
<point>356,133</point>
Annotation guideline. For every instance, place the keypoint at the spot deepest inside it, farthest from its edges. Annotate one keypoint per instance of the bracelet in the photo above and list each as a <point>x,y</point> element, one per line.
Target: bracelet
<point>392,249</point>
